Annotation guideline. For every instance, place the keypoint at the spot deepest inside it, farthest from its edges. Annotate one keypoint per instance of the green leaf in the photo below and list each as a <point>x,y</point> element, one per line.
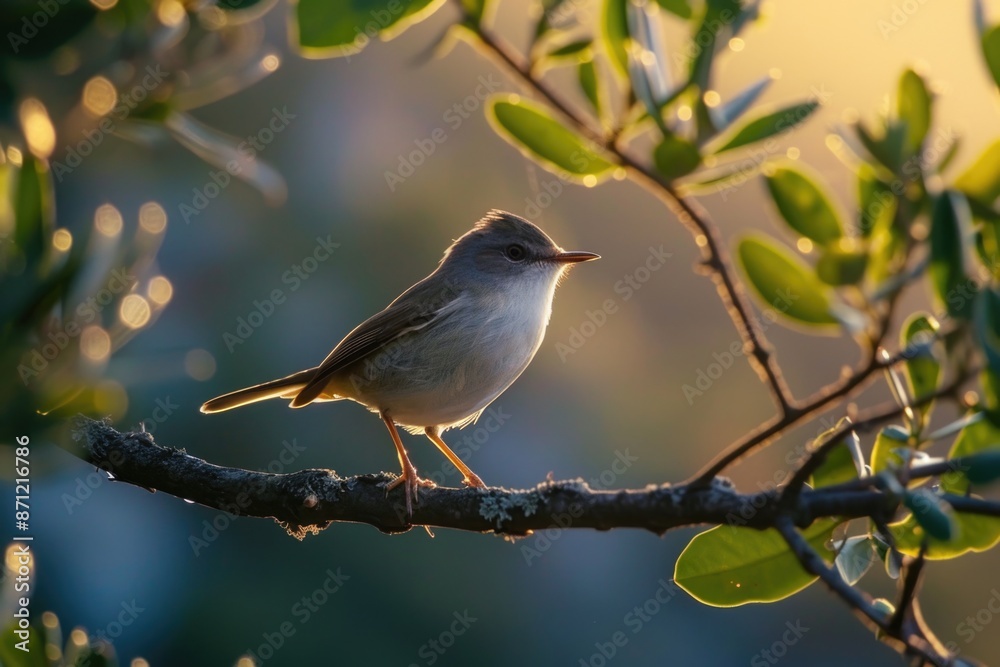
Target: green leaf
<point>991,51</point>
<point>843,262</point>
<point>333,29</point>
<point>982,469</point>
<point>614,34</point>
<point>976,438</point>
<point>803,205</point>
<point>784,282</point>
<point>986,320</point>
<point>922,369</point>
<point>886,248</point>
<point>530,128</point>
<point>981,180</point>
<point>856,557</point>
<point>932,514</point>
<point>768,125</point>
<point>589,83</point>
<point>675,157</point>
<point>884,455</point>
<point>681,8</point>
<point>477,9</point>
<point>913,105</point>
<point>876,200</point>
<point>32,209</point>
<point>989,380</point>
<point>11,656</point>
<point>947,261</point>
<point>838,467</point>
<point>573,49</point>
<point>729,112</point>
<point>728,566</point>
<point>973,533</point>
<point>887,148</point>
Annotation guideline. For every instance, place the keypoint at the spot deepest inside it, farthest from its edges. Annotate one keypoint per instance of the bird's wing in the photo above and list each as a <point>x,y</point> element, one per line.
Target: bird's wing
<point>418,307</point>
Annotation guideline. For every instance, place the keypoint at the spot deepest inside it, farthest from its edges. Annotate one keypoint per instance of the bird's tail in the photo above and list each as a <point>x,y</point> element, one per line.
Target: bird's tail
<point>286,387</point>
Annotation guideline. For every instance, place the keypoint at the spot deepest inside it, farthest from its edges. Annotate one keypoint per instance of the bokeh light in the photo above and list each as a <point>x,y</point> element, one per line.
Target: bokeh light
<point>134,311</point>
<point>108,220</point>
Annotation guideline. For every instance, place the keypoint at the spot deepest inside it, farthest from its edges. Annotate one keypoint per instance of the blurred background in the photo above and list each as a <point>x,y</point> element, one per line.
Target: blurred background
<point>197,588</point>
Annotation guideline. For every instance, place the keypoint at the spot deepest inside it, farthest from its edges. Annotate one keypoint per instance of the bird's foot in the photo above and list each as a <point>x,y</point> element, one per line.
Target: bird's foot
<point>472,480</point>
<point>411,484</point>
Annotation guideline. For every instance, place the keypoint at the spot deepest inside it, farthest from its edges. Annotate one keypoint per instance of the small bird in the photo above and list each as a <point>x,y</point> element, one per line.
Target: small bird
<point>439,354</point>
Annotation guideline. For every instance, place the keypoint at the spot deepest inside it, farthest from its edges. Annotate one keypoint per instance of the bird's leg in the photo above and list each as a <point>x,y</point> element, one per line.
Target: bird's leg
<point>471,478</point>
<point>409,476</point>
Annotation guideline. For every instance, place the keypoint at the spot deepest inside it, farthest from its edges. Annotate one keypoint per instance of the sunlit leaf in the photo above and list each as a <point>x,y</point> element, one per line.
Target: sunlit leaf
<point>981,180</point>
<point>803,205</point>
<point>530,128</point>
<point>842,262</point>
<point>784,282</point>
<point>884,454</point>
<point>913,105</point>
<point>922,369</point>
<point>728,566</point>
<point>681,8</point>
<point>675,157</point>
<point>571,50</point>
<point>768,125</point>
<point>991,51</point>
<point>838,467</point>
<point>973,533</point>
<point>331,29</point>
<point>947,263</point>
<point>875,199</point>
<point>589,84</point>
<point>856,557</point>
<point>976,438</point>
<point>614,34</point>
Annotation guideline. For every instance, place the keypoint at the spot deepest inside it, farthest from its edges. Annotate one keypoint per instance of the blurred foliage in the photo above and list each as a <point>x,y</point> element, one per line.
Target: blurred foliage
<point>79,285</point>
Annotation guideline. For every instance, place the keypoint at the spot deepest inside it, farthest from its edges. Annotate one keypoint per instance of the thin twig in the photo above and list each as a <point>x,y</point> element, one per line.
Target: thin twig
<point>859,601</point>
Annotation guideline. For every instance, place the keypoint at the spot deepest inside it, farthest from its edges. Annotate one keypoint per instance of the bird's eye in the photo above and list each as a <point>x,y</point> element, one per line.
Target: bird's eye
<point>515,252</point>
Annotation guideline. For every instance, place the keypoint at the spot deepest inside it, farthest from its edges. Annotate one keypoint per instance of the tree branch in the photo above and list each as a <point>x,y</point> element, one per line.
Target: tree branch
<point>714,256</point>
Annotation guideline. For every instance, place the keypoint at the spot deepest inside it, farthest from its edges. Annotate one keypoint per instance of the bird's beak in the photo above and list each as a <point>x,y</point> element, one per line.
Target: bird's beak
<point>574,256</point>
